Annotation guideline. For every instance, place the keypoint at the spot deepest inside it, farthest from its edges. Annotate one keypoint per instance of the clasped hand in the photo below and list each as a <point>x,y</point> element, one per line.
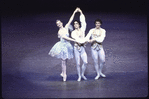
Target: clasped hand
<point>81,41</point>
<point>78,10</point>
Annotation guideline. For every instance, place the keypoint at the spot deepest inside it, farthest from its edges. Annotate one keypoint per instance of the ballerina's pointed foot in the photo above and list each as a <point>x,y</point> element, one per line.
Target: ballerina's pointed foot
<point>79,79</point>
<point>84,77</point>
<point>64,77</point>
<point>103,75</point>
<point>97,77</point>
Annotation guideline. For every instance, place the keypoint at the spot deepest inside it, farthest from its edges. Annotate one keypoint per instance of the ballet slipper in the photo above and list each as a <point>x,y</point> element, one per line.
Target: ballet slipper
<point>84,77</point>
<point>103,75</point>
<point>64,77</point>
<point>97,77</point>
<point>79,79</point>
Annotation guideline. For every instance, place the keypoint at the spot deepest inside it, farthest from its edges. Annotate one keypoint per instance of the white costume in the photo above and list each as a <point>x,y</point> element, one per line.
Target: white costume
<point>79,49</point>
<point>97,49</point>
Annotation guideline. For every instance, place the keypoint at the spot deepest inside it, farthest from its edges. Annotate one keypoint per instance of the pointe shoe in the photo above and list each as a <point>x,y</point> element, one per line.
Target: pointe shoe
<point>64,78</point>
<point>102,75</point>
<point>84,77</point>
<point>97,77</point>
<point>79,79</point>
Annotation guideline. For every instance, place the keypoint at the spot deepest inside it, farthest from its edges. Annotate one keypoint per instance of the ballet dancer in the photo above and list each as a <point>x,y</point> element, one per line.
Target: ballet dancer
<point>63,49</point>
<point>97,35</point>
<point>78,34</point>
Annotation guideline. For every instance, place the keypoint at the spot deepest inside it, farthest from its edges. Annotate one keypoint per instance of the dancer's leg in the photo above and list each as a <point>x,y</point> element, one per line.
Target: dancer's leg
<point>64,70</point>
<point>84,58</point>
<point>77,58</point>
<point>95,58</point>
<point>102,61</point>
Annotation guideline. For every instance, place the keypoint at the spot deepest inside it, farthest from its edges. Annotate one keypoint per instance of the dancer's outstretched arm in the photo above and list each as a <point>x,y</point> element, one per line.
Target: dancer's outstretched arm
<point>89,35</point>
<point>71,18</point>
<point>65,37</point>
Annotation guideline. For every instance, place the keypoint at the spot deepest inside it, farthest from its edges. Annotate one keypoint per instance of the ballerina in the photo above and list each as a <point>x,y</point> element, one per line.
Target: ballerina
<point>97,35</point>
<point>63,49</point>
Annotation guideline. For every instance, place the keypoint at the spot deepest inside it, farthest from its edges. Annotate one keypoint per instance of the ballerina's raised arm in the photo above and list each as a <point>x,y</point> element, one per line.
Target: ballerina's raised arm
<point>71,18</point>
<point>62,32</point>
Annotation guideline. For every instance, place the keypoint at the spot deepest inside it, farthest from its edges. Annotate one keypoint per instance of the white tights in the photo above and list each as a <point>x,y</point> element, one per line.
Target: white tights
<point>83,55</point>
<point>101,54</point>
<point>63,74</point>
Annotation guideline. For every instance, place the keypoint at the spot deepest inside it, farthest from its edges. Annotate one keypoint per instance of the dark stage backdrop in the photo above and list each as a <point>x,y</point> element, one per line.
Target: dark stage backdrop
<point>9,7</point>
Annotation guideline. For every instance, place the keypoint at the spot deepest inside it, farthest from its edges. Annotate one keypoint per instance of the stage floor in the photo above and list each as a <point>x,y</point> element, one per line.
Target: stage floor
<point>132,84</point>
<point>29,72</point>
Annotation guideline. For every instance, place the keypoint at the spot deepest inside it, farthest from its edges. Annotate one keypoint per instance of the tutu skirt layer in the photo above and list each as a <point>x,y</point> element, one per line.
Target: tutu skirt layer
<point>62,49</point>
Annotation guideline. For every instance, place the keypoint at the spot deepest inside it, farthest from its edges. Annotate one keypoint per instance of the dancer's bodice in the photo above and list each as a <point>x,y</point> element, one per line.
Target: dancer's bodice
<point>96,33</point>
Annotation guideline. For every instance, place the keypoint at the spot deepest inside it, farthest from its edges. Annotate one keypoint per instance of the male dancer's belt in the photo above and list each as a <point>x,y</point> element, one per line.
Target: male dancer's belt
<point>96,44</point>
<point>78,46</point>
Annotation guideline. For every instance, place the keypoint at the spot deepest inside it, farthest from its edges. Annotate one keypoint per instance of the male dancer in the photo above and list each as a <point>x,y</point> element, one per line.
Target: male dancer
<point>97,34</point>
<point>78,34</point>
